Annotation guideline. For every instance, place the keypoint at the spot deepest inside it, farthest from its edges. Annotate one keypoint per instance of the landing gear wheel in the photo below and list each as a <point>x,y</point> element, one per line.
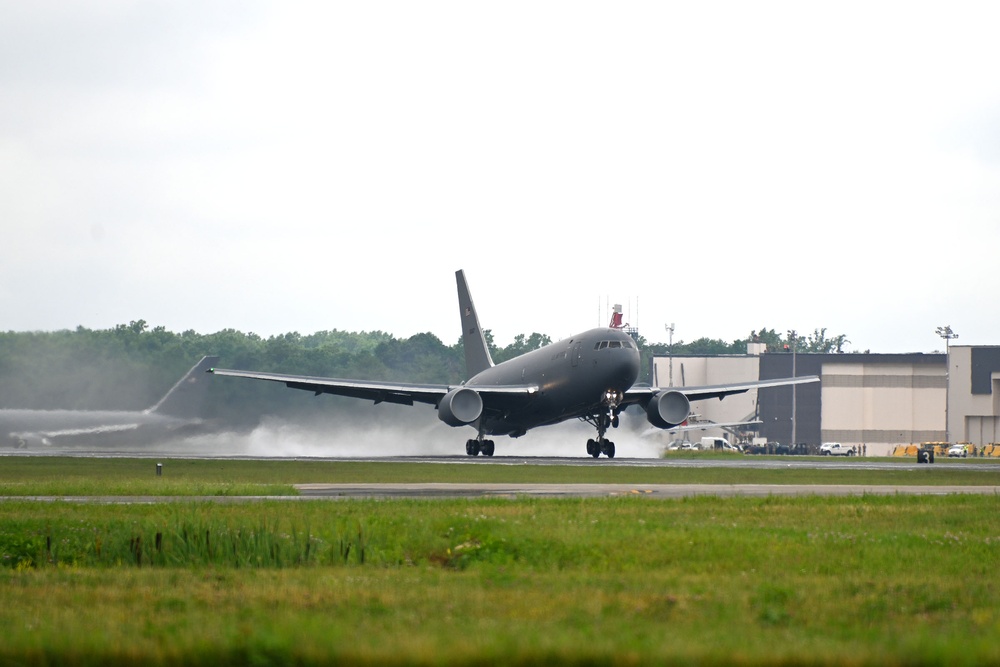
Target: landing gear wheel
<point>472,447</point>
<point>487,447</point>
<point>608,449</point>
<point>593,449</point>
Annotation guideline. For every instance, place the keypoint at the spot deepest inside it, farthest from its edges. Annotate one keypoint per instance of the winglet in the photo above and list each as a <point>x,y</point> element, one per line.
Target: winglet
<point>477,354</point>
<point>186,398</point>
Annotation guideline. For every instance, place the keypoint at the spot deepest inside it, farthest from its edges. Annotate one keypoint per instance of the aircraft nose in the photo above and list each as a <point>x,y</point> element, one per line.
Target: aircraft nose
<point>633,368</point>
<point>627,371</point>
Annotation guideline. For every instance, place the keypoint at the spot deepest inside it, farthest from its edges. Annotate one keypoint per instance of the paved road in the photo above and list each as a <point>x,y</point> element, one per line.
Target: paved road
<point>679,461</point>
<point>319,492</point>
<point>470,490</point>
<point>462,490</point>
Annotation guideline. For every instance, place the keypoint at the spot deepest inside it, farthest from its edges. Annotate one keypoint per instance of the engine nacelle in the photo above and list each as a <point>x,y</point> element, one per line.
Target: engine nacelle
<point>460,406</point>
<point>668,409</point>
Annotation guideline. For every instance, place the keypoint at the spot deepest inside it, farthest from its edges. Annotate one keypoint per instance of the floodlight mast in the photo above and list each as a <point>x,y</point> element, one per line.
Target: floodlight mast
<point>670,351</point>
<point>793,338</point>
<point>947,333</point>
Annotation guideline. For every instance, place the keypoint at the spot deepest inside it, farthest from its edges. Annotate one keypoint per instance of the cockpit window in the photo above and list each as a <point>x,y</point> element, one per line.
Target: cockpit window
<point>604,344</point>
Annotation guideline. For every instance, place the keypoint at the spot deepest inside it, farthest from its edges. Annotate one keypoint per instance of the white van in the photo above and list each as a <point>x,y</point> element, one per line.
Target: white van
<point>718,444</point>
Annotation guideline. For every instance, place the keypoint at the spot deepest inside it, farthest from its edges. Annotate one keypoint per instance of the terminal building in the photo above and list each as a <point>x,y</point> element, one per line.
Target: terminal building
<point>875,401</point>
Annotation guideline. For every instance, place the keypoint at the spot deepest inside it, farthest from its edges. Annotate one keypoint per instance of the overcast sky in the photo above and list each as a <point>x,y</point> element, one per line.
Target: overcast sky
<point>295,166</point>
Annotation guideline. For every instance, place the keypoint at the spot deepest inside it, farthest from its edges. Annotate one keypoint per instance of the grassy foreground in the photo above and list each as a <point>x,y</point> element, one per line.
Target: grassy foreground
<point>864,580</point>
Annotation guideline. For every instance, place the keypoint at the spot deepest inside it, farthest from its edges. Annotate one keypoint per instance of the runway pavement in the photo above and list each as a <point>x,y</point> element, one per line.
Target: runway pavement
<point>679,461</point>
<point>462,490</point>
<point>335,492</point>
<point>473,490</point>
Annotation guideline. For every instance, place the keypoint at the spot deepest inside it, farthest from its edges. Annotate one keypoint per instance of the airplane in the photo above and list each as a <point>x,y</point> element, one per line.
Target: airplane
<point>178,412</point>
<point>590,376</point>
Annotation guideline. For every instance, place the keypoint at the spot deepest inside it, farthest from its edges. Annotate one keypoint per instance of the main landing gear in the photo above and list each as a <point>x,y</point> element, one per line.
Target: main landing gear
<point>602,421</point>
<point>477,446</point>
<point>603,446</point>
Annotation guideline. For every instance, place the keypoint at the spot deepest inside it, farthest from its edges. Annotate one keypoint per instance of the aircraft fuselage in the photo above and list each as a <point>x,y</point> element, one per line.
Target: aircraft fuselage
<point>573,377</point>
<point>45,427</point>
<point>178,411</point>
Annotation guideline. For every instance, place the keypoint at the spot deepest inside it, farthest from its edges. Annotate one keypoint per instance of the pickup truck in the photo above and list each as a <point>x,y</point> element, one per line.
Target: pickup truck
<point>835,449</point>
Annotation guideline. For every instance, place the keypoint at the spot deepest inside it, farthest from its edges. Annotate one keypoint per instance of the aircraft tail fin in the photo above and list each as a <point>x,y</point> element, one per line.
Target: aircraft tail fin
<point>186,398</point>
<point>477,354</point>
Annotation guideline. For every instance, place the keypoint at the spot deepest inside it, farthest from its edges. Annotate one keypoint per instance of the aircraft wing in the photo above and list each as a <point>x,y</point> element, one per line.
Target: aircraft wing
<point>377,391</point>
<point>697,426</point>
<point>720,391</point>
<point>704,426</point>
<point>403,393</point>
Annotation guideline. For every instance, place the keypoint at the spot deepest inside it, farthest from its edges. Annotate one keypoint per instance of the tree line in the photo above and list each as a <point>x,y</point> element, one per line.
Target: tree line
<point>130,366</point>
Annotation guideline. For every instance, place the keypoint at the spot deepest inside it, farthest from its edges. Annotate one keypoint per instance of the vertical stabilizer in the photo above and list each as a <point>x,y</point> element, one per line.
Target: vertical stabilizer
<point>186,398</point>
<point>477,354</point>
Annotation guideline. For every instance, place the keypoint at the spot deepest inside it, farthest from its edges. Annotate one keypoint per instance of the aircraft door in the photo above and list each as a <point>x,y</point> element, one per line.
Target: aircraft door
<point>576,353</point>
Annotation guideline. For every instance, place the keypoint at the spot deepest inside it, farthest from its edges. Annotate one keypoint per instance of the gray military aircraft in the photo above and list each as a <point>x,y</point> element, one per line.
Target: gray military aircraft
<point>176,414</point>
<point>590,376</point>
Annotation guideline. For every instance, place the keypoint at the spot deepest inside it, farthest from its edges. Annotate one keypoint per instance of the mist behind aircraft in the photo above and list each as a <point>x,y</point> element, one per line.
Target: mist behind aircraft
<point>401,431</point>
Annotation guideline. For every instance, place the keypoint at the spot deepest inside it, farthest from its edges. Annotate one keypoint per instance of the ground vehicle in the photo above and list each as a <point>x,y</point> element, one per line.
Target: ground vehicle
<point>958,450</point>
<point>718,444</point>
<point>685,445</point>
<point>835,449</point>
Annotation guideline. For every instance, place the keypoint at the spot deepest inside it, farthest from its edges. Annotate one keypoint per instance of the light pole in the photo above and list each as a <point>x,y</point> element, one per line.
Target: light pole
<point>946,333</point>
<point>793,339</point>
<point>670,351</point>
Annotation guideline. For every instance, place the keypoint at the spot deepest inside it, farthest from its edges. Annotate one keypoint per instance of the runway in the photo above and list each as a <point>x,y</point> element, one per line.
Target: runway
<point>682,461</point>
<point>460,490</point>
<point>335,492</point>
<point>344,491</point>
<point>678,461</point>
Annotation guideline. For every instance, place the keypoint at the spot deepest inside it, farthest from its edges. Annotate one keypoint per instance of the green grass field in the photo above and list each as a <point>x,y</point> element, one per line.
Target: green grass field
<point>897,580</point>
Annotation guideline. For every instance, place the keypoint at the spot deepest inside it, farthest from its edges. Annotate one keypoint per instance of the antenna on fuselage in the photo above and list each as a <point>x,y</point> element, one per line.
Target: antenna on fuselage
<point>618,323</point>
<point>616,317</point>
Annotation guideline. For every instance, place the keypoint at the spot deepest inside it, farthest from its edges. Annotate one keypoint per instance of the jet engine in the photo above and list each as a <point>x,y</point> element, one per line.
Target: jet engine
<point>667,409</point>
<point>460,406</point>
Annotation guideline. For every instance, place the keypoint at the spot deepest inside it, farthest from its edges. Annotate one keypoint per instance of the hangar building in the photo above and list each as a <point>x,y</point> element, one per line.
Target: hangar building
<point>876,400</point>
<point>973,412</point>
